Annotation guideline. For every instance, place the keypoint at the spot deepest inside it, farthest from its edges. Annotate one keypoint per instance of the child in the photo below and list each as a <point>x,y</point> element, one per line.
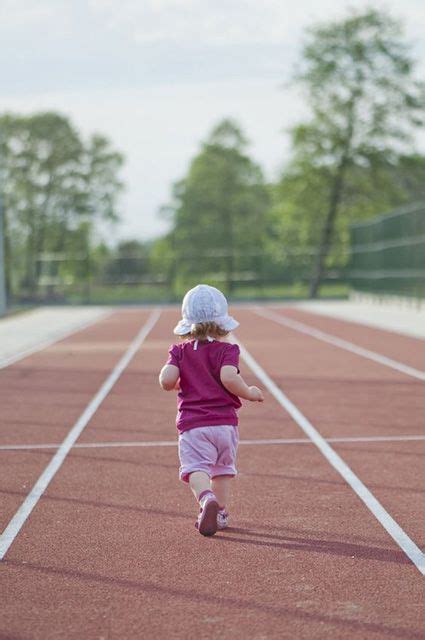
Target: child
<point>205,371</point>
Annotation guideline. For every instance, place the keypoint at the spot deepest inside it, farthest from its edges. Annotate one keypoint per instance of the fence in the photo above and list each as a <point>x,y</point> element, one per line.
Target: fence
<point>92,278</point>
<point>387,257</point>
<point>388,253</point>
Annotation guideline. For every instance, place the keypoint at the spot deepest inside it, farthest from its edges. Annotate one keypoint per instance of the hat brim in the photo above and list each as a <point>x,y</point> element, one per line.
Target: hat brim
<point>229,324</point>
<point>183,327</point>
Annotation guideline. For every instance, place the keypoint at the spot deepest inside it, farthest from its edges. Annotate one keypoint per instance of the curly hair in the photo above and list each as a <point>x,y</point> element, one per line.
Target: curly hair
<point>202,330</point>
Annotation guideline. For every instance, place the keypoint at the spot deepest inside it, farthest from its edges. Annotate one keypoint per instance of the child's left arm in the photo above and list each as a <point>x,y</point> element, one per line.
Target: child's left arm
<point>169,377</point>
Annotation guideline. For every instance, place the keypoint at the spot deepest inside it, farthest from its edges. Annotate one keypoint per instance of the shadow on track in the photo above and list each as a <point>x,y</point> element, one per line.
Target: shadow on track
<point>315,545</point>
<point>196,597</point>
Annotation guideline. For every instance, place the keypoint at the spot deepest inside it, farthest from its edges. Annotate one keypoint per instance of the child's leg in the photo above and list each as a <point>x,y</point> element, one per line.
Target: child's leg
<point>220,486</point>
<point>199,482</point>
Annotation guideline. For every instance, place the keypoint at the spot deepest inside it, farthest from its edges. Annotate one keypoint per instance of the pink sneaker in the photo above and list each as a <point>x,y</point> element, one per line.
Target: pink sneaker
<point>207,519</point>
<point>222,519</point>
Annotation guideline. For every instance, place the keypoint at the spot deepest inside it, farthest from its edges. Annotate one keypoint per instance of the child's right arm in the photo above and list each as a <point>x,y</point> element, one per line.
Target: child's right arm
<point>234,383</point>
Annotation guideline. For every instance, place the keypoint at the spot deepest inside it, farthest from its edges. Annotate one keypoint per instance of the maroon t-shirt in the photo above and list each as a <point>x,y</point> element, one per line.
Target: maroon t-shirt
<point>203,401</point>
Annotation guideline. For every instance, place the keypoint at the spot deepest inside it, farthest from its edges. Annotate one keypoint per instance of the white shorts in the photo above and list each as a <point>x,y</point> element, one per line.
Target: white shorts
<point>209,449</point>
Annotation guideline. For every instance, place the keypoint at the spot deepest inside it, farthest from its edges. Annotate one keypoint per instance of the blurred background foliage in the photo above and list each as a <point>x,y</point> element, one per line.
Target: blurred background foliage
<point>353,158</point>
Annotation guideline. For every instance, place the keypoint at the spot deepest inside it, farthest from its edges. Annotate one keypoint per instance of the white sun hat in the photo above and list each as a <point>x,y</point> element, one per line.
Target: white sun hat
<point>204,304</point>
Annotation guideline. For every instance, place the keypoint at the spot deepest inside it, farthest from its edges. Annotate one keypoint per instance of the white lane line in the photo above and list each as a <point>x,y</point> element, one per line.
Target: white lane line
<point>6,362</point>
<point>360,439</point>
<point>390,525</point>
<point>342,344</point>
<point>18,520</point>
<point>91,445</point>
<point>173,443</point>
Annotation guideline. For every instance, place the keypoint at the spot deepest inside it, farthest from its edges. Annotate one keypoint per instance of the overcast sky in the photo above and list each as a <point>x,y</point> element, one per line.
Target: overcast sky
<point>156,75</point>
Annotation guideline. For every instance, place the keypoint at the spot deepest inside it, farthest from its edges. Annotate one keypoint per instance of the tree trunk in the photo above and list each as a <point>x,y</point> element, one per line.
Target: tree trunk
<point>41,235</point>
<point>326,237</point>
<point>335,199</point>
<point>29,277</point>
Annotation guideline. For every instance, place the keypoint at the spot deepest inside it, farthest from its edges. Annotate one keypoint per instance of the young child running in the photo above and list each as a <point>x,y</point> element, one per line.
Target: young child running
<point>205,370</point>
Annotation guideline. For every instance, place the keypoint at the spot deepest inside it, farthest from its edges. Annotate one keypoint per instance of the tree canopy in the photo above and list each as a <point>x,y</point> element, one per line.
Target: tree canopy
<point>218,209</point>
<point>55,186</point>
<point>365,103</point>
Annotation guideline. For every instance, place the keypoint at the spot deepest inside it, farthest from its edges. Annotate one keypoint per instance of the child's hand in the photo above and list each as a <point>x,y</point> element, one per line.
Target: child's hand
<point>177,386</point>
<point>256,395</point>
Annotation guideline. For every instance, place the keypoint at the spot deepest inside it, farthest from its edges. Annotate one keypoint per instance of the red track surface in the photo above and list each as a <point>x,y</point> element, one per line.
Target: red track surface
<point>110,550</point>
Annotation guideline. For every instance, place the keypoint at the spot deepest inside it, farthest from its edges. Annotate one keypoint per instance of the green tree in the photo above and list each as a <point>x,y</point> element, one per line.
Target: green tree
<point>218,210</point>
<point>129,262</point>
<point>303,192</point>
<point>365,104</point>
<point>55,188</point>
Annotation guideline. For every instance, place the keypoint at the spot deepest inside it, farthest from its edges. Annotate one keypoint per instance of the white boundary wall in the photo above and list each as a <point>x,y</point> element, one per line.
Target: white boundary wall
<point>407,319</point>
<point>26,331</point>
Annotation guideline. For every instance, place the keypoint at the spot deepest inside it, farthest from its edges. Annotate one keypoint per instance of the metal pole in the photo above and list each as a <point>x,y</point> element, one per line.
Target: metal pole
<point>3,304</point>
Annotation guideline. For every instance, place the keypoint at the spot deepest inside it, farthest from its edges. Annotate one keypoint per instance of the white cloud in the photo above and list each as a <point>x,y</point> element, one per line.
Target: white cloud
<point>192,22</point>
<point>15,15</point>
<point>29,19</point>
<point>234,22</point>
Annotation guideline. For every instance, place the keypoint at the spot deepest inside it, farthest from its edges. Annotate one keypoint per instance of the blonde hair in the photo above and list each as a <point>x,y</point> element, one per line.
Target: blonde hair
<point>201,331</point>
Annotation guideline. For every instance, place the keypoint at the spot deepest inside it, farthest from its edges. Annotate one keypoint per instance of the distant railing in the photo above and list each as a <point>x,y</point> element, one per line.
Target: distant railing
<point>388,253</point>
<point>82,277</point>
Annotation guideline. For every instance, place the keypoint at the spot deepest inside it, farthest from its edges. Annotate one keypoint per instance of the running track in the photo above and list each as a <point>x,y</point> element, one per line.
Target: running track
<point>109,549</point>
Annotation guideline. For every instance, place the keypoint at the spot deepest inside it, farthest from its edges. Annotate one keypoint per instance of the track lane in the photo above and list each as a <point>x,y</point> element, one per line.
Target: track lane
<point>304,559</point>
<point>406,349</point>
<point>358,405</point>
<point>395,474</point>
<point>119,534</point>
<point>22,514</point>
<point>44,394</point>
<point>409,547</point>
<point>47,390</point>
<point>342,393</point>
